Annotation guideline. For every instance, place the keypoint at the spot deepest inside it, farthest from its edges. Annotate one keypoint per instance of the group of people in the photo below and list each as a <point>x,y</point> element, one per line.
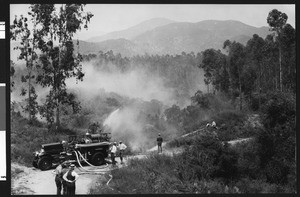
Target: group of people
<point>113,150</point>
<point>213,124</point>
<point>65,178</point>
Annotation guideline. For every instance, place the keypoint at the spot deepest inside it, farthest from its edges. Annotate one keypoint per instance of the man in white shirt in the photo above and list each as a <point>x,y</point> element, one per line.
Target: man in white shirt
<point>121,147</point>
<point>113,151</point>
<point>71,177</point>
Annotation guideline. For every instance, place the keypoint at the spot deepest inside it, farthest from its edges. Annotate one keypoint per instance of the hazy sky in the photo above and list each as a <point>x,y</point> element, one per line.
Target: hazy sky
<point>114,17</point>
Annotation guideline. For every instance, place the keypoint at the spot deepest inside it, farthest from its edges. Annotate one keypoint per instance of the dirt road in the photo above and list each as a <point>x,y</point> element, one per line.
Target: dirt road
<point>35,181</point>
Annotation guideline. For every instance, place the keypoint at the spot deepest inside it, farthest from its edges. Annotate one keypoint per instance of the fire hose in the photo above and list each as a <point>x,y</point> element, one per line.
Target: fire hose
<point>91,171</point>
<point>88,171</point>
<point>89,163</point>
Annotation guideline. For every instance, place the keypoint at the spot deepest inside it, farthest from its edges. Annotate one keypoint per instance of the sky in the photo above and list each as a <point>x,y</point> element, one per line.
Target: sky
<point>114,17</point>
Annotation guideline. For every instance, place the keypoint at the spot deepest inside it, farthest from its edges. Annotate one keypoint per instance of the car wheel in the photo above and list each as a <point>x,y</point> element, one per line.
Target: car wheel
<point>34,163</point>
<point>45,163</point>
<point>98,159</point>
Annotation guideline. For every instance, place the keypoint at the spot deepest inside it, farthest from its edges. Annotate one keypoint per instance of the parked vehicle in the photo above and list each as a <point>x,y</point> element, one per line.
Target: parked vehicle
<point>53,153</point>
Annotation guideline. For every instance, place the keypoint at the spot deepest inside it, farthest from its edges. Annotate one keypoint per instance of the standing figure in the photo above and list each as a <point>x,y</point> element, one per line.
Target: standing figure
<point>58,178</point>
<point>121,147</point>
<point>88,138</point>
<point>213,124</point>
<point>159,143</point>
<point>113,151</point>
<point>64,171</point>
<point>71,177</point>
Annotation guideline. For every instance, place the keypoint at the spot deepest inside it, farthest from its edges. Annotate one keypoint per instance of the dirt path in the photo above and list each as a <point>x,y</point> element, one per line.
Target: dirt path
<point>35,181</point>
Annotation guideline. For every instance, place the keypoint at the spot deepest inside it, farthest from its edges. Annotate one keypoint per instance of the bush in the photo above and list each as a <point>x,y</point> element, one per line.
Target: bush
<point>278,110</point>
<point>277,141</point>
<point>248,159</point>
<point>231,125</point>
<point>208,158</point>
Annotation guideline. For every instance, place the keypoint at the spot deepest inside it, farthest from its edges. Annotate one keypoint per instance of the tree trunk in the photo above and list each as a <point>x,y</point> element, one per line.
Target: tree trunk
<point>57,115</point>
<point>280,69</point>
<point>29,94</point>
<point>240,90</point>
<point>259,84</point>
<point>208,88</point>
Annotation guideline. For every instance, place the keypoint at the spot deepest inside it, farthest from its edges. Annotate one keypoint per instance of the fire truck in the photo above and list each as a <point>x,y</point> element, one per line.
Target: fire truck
<point>75,149</point>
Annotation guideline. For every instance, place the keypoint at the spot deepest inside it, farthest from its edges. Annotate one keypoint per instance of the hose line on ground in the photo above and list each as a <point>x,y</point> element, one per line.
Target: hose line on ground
<point>99,167</point>
<point>92,171</point>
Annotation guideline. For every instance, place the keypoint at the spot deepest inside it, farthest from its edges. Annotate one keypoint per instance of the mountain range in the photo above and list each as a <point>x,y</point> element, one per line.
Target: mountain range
<point>164,36</point>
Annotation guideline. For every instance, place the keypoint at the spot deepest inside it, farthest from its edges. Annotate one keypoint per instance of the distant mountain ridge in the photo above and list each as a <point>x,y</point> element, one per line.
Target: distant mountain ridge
<point>133,31</point>
<point>177,37</point>
<point>163,36</point>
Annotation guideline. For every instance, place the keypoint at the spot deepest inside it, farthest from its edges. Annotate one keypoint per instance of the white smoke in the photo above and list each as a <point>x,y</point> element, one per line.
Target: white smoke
<point>126,123</point>
<point>133,84</point>
<point>123,125</point>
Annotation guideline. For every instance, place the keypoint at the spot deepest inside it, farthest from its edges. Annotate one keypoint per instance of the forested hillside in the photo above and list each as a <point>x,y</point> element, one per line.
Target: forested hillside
<point>248,89</point>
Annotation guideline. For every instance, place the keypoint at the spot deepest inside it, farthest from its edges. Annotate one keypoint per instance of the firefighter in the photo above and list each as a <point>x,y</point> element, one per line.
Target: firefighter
<point>88,138</point>
<point>159,143</point>
<point>71,177</point>
<point>213,124</point>
<point>64,171</point>
<point>121,147</point>
<point>58,178</point>
<point>113,151</point>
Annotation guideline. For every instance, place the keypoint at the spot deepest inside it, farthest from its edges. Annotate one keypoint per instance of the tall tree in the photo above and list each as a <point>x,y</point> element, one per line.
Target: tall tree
<point>19,31</point>
<point>254,58</point>
<point>288,44</point>
<point>270,69</point>
<point>213,64</point>
<point>236,60</point>
<point>12,73</point>
<point>57,62</point>
<point>277,21</point>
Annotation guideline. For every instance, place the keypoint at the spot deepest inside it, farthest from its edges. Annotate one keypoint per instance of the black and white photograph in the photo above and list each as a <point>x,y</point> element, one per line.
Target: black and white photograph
<point>152,99</point>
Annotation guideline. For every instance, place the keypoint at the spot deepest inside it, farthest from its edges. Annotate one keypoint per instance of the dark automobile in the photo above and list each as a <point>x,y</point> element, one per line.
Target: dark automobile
<point>74,150</point>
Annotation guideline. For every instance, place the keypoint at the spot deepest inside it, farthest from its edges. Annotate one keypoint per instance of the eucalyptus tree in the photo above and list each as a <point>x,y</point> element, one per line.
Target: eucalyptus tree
<point>277,21</point>
<point>20,31</point>
<point>288,45</point>
<point>214,65</point>
<point>254,50</point>
<point>56,26</point>
<point>236,61</point>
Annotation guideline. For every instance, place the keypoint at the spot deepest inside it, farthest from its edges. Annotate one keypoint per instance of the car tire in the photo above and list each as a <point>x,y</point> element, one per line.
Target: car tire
<point>34,164</point>
<point>45,163</point>
<point>98,159</point>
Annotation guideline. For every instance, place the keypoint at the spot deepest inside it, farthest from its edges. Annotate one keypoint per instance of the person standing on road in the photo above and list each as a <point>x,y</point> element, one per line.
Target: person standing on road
<point>159,143</point>
<point>58,178</point>
<point>64,171</point>
<point>113,151</point>
<point>71,177</point>
<point>121,147</point>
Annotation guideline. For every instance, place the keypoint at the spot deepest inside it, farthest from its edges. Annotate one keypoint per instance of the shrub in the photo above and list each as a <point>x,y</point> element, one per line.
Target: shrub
<point>277,140</point>
<point>278,110</point>
<point>248,159</point>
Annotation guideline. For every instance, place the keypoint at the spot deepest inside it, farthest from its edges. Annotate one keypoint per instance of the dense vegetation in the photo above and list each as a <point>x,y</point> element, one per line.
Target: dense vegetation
<point>264,164</point>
